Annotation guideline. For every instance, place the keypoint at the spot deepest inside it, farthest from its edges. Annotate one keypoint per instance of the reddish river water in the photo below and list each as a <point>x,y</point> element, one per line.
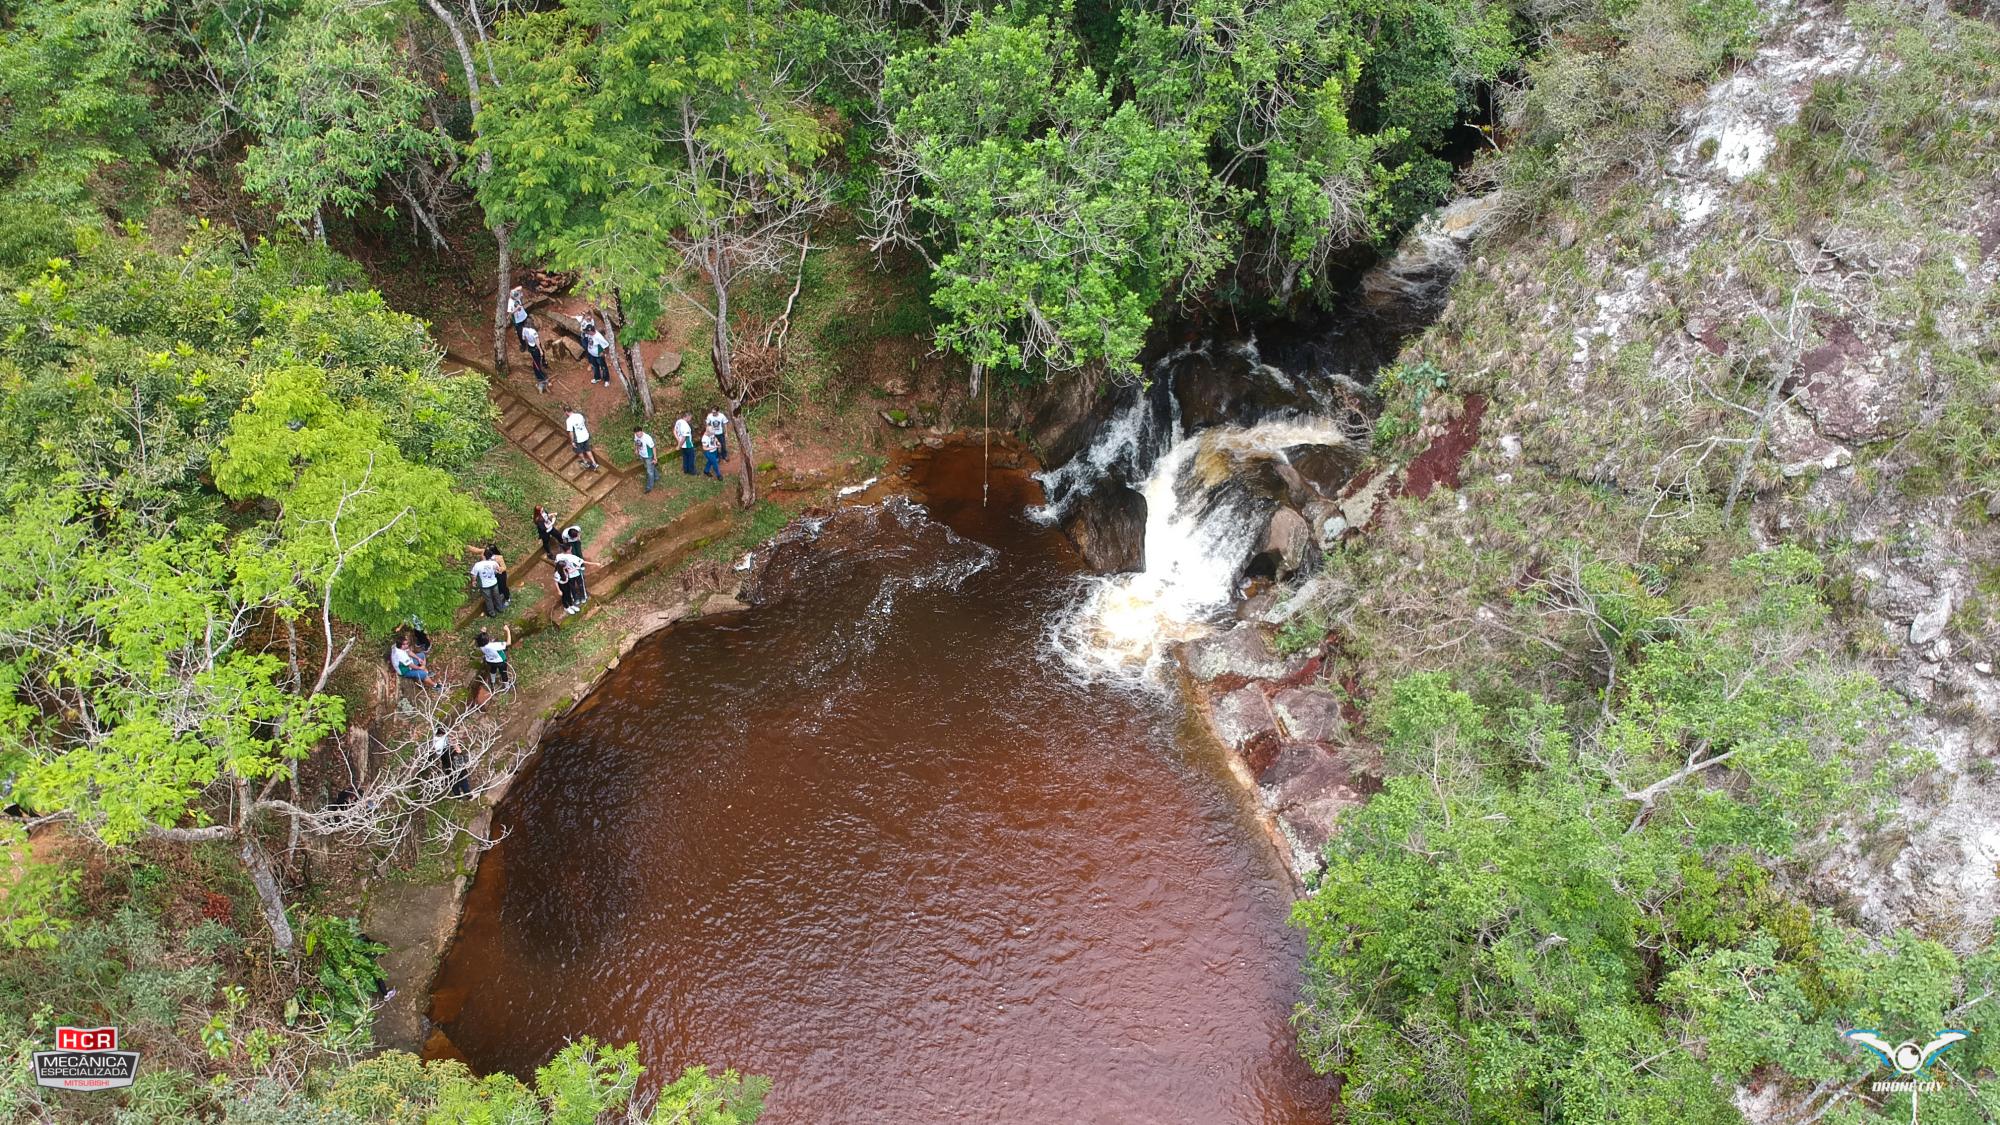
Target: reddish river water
<point>868,839</point>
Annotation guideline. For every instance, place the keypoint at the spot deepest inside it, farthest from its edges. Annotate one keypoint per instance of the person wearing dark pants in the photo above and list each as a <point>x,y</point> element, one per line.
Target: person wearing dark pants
<point>545,530</point>
<point>532,340</point>
<point>569,578</point>
<point>450,762</point>
<point>500,564</point>
<point>594,347</point>
<point>717,423</point>
<point>579,438</point>
<point>487,576</point>
<point>493,659</point>
<point>517,311</point>
<point>684,438</point>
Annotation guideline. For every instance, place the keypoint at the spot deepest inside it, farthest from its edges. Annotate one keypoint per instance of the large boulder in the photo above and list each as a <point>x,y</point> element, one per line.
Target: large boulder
<point>1325,469</point>
<point>1224,386</point>
<point>1242,721</point>
<point>665,364</point>
<point>1283,550</point>
<point>1309,714</point>
<point>1239,654</point>
<point>1108,527</point>
<point>1855,392</point>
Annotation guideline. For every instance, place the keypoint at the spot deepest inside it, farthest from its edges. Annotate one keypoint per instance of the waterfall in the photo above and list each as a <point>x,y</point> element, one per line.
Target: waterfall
<point>1204,521</point>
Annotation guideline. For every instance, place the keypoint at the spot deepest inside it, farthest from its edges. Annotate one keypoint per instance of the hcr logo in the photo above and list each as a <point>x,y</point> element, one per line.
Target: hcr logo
<point>86,1039</point>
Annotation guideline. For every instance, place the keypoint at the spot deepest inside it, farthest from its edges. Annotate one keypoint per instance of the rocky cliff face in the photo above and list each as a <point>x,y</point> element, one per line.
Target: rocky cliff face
<point>1782,329</point>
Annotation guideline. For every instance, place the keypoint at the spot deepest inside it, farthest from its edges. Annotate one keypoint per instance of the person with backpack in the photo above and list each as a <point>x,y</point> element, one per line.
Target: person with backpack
<point>532,340</point>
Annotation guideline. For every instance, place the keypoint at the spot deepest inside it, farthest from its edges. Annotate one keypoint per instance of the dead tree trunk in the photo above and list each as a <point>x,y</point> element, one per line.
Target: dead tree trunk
<point>725,381</point>
<point>266,881</point>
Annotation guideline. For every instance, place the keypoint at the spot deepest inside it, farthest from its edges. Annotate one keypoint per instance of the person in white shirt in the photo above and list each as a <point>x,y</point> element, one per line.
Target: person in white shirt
<point>517,310</point>
<point>645,449</point>
<point>532,340</point>
<point>449,761</point>
<point>408,665</point>
<point>486,573</point>
<point>569,581</point>
<point>709,448</point>
<point>579,437</point>
<point>493,654</point>
<point>684,441</point>
<point>594,347</point>
<point>718,424</point>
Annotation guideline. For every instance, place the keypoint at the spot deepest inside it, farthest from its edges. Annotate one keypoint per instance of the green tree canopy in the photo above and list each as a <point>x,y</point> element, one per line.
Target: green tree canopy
<point>1545,920</point>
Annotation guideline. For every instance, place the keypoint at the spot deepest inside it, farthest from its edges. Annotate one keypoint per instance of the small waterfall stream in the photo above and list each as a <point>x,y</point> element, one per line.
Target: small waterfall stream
<point>1209,492</point>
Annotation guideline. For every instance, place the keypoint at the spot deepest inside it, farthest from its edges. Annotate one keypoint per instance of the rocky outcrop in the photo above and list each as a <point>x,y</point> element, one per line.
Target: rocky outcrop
<point>1287,737</point>
<point>1110,530</point>
<point>1409,290</point>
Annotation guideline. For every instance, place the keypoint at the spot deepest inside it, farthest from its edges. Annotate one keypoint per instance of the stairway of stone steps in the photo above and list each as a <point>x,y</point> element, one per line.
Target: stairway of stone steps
<point>538,433</point>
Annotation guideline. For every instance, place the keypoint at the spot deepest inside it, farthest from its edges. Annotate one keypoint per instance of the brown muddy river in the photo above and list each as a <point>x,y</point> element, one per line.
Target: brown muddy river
<point>870,839</point>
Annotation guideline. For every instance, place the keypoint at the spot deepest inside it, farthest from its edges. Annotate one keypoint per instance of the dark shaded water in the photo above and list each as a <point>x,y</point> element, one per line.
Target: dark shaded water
<point>869,840</point>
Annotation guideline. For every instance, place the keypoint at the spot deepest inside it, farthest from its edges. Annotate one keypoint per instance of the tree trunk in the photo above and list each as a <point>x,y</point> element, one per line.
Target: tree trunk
<point>266,881</point>
<point>725,381</point>
<point>501,241</point>
<point>632,375</point>
<point>746,481</point>
<point>642,379</point>
<point>501,236</point>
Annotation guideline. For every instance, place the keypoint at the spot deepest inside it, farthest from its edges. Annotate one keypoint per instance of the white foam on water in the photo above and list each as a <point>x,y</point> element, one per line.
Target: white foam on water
<point>1124,626</point>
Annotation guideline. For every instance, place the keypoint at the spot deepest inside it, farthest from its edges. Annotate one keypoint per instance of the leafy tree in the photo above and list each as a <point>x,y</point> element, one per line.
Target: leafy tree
<point>586,1082</point>
<point>1060,219</point>
<point>1543,920</point>
<point>380,535</point>
<point>337,114</point>
<point>125,364</point>
<point>654,145</point>
<point>700,1098</point>
<point>73,96</point>
<point>122,712</point>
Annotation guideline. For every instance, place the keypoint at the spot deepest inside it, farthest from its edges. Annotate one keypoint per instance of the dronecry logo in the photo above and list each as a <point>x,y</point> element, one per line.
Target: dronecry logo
<point>1908,1059</point>
<point>86,1058</point>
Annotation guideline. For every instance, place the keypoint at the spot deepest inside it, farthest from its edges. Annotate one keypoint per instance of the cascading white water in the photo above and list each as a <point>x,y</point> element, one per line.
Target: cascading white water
<point>1198,537</point>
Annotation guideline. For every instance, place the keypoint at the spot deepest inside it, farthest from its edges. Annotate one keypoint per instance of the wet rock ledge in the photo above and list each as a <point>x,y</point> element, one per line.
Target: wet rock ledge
<point>1288,734</point>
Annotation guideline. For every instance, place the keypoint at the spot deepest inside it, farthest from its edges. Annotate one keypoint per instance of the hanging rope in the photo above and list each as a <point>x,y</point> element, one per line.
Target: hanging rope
<point>986,456</point>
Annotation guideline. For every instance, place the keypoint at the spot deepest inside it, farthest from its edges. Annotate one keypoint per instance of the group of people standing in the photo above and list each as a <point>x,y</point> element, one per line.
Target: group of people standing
<point>713,443</point>
<point>562,546</point>
<point>596,346</point>
<point>564,550</point>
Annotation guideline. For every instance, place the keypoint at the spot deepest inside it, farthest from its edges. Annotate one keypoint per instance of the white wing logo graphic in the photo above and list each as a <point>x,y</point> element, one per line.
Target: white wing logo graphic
<point>1909,1056</point>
